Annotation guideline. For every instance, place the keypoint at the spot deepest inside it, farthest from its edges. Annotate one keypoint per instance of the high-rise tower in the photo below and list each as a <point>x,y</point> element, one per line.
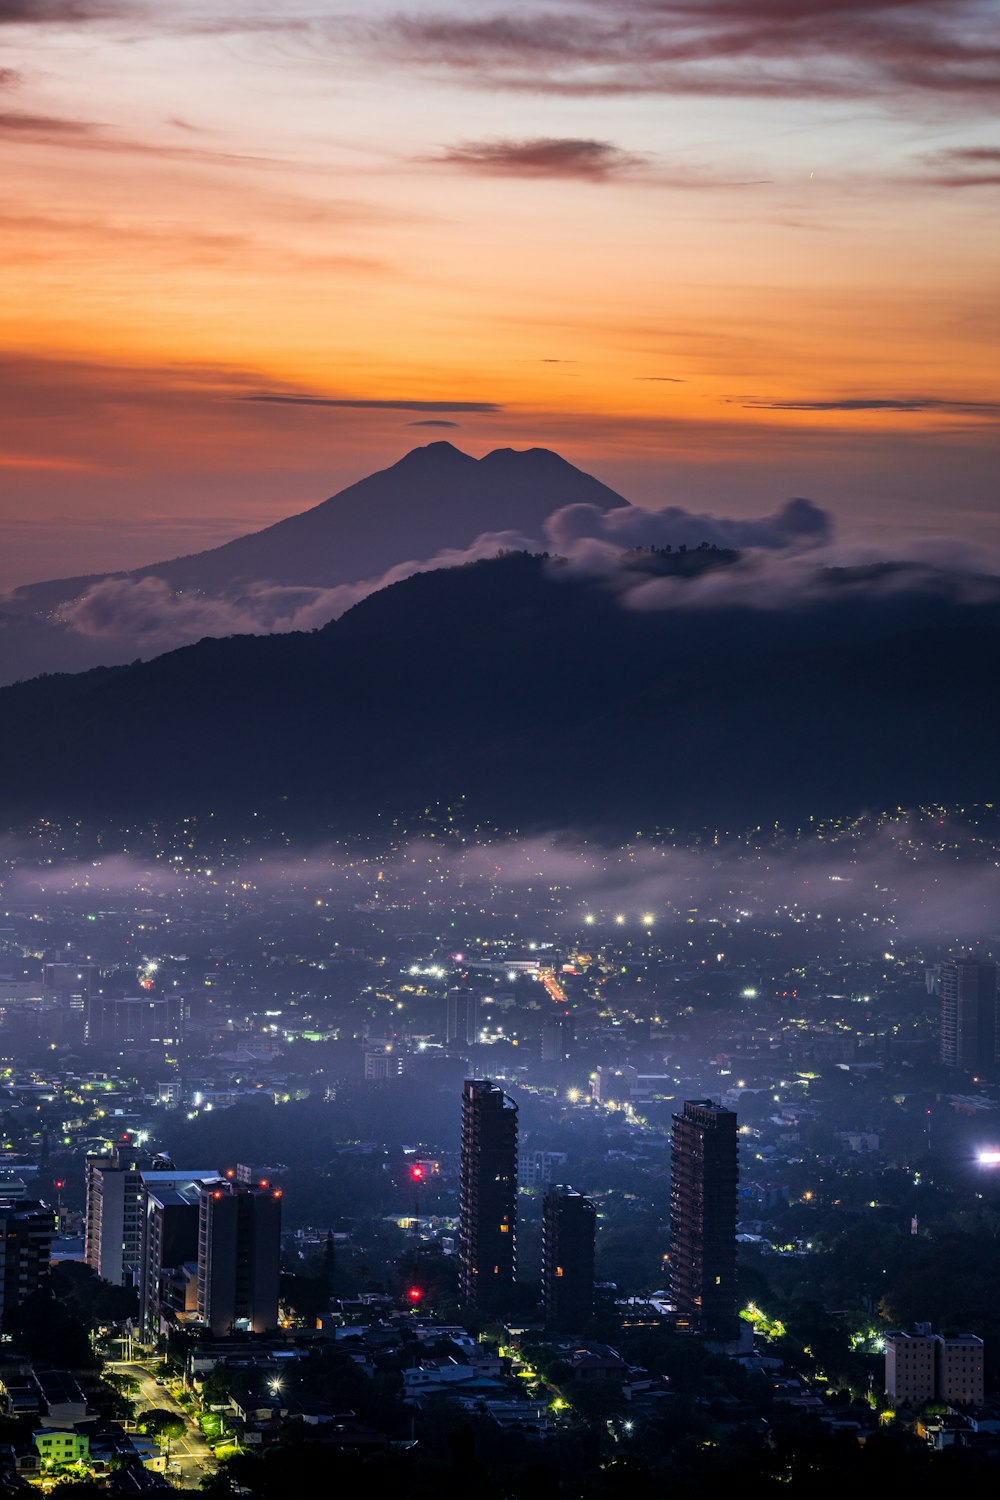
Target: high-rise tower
<point>569,1223</point>
<point>26,1230</point>
<point>968,991</point>
<point>239,1254</point>
<point>114,1222</point>
<point>705,1172</point>
<point>488,1194</point>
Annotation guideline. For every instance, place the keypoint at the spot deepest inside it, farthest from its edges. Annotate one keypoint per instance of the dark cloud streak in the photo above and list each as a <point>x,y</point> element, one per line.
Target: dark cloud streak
<point>59,12</point>
<point>965,166</point>
<point>19,122</point>
<point>541,157</point>
<point>400,403</point>
<point>866,403</point>
<point>776,49</point>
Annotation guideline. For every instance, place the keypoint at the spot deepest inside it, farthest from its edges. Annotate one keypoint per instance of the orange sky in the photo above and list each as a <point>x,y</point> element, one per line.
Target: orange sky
<point>717,254</point>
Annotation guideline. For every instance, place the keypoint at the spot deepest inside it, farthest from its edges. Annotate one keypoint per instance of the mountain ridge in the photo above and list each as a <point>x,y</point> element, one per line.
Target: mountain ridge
<point>532,695</point>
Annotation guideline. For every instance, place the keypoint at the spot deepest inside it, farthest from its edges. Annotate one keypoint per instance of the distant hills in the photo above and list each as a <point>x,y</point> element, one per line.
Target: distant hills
<point>534,694</point>
<point>433,500</point>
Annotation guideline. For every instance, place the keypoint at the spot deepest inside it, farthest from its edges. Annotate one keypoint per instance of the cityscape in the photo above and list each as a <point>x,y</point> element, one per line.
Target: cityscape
<point>499,804</point>
<point>513,1148</point>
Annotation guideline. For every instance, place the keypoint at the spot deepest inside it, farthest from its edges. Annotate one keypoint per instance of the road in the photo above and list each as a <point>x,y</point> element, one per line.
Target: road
<point>191,1456</point>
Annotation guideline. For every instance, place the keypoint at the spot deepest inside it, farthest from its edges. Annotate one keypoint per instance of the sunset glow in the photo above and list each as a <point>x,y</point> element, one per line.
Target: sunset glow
<point>716,254</point>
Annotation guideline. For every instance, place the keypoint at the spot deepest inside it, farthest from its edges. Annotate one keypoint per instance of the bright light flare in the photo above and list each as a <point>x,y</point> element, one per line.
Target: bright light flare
<point>988,1158</point>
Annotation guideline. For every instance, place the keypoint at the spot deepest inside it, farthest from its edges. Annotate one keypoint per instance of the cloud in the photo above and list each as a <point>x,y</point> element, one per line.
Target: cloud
<point>400,403</point>
<point>59,12</point>
<point>751,48</point>
<point>972,154</point>
<point>911,878</point>
<point>792,581</point>
<point>433,422</point>
<point>889,403</point>
<point>666,379</point>
<point>796,523</point>
<point>23,236</point>
<point>787,560</point>
<point>86,135</point>
<point>147,611</point>
<point>19,122</point>
<point>966,166</point>
<point>542,156</point>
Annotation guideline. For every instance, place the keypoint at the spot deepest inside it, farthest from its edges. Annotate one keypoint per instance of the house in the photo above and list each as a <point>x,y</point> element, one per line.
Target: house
<point>58,1445</point>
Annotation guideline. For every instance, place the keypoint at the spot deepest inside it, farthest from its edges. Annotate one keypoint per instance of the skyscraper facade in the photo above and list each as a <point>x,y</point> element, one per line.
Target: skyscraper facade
<point>969,1032</point>
<point>488,1195</point>
<point>569,1224</point>
<point>462,1021</point>
<point>705,1179</point>
<point>170,1205</point>
<point>239,1254</point>
<point>114,1222</point>
<point>26,1230</point>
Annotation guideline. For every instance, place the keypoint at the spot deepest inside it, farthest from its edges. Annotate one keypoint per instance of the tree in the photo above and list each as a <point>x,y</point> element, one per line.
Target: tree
<point>48,1329</point>
<point>93,1300</point>
<point>165,1426</point>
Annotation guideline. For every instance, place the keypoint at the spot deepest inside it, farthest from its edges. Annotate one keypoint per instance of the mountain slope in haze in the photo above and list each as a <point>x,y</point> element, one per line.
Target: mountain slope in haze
<point>434,499</point>
<point>535,696</point>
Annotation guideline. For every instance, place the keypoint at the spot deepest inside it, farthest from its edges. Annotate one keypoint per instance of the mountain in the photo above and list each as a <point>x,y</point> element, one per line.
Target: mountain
<point>536,698</point>
<point>435,497</point>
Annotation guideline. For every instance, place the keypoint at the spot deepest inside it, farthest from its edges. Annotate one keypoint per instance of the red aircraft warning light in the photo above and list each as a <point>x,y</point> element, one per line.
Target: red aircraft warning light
<point>414,1295</point>
<point>416,1172</point>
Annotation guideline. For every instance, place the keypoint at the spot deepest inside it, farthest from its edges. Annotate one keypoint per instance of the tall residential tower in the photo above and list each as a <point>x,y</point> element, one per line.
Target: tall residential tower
<point>969,1032</point>
<point>569,1224</point>
<point>239,1255</point>
<point>115,1219</point>
<point>488,1194</point>
<point>705,1173</point>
